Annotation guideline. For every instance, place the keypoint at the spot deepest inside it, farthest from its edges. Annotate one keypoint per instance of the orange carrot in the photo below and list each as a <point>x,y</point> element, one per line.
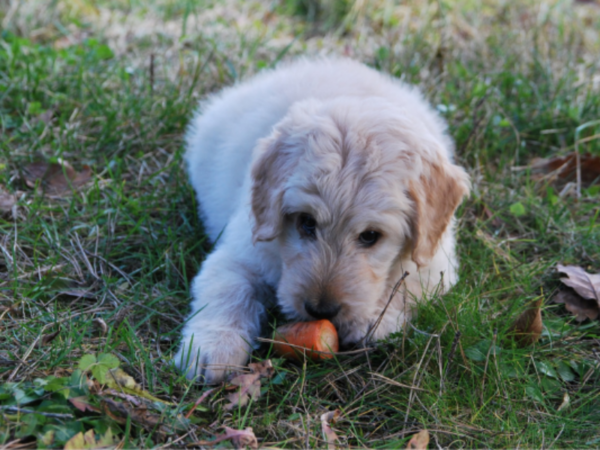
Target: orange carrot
<point>319,335</point>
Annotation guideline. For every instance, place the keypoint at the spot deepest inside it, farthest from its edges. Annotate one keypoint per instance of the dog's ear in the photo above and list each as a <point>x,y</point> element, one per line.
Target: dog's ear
<point>436,195</point>
<point>275,163</point>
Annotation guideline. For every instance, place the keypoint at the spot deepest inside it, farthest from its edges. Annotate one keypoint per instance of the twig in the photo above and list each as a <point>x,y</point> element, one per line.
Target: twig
<point>557,436</point>
<point>578,130</point>
<point>487,359</point>
<point>16,409</point>
<point>378,321</point>
<point>476,123</point>
<point>412,392</point>
<point>151,73</point>
<point>452,351</point>
<point>200,400</point>
<point>395,383</point>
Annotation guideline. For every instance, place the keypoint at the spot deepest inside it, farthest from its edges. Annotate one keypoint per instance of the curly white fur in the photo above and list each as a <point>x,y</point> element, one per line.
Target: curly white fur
<point>352,149</point>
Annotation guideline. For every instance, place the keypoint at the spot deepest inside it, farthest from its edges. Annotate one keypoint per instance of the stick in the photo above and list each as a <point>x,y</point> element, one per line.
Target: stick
<point>452,351</point>
<point>16,409</point>
<point>378,321</point>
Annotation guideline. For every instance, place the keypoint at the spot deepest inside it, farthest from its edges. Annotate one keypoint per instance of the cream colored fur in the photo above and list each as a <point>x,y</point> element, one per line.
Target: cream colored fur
<point>352,148</point>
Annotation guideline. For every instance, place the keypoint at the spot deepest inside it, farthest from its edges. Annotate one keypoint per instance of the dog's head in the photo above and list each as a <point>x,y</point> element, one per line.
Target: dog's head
<point>349,189</point>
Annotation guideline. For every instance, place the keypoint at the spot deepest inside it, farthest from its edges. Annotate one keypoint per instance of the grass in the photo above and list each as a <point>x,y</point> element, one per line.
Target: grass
<point>105,269</point>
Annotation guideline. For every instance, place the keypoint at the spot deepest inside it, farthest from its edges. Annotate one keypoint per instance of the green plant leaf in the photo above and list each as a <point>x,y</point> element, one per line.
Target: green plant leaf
<point>108,360</point>
<point>546,369</point>
<point>474,353</point>
<point>99,372</point>
<point>34,108</point>
<point>86,362</point>
<point>565,372</point>
<point>104,52</point>
<point>517,209</point>
<point>534,393</point>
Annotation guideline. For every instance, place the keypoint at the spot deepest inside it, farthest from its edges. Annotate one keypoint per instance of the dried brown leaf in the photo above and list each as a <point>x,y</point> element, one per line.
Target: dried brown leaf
<point>582,309</point>
<point>7,201</point>
<point>102,324</point>
<point>83,404</point>
<point>565,402</point>
<point>564,169</point>
<point>264,368</point>
<point>527,328</point>
<point>419,441</point>
<point>46,116</point>
<point>198,402</point>
<point>49,337</point>
<point>326,420</point>
<point>249,384</point>
<point>56,178</point>
<point>142,416</point>
<point>240,438</point>
<point>585,284</point>
<point>249,388</point>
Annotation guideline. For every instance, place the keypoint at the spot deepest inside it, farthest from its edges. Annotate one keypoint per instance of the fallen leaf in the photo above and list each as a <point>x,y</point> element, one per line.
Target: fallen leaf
<point>83,404</point>
<point>249,388</point>
<point>419,441</point>
<point>565,403</point>
<point>564,169</point>
<point>585,284</point>
<point>46,116</point>
<point>249,384</point>
<point>240,438</point>
<point>264,368</point>
<point>81,441</point>
<point>7,201</point>
<point>582,309</point>
<point>55,178</point>
<point>144,417</point>
<point>326,420</point>
<point>102,324</point>
<point>120,380</point>
<point>198,402</point>
<point>88,441</point>
<point>527,328</point>
<point>49,337</point>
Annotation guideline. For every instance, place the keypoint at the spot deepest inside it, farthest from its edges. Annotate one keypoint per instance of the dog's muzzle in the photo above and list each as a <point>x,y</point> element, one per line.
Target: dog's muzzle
<point>322,311</point>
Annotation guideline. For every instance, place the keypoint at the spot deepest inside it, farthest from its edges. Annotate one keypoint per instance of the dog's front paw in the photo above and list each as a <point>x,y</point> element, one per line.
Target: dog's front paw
<point>209,359</point>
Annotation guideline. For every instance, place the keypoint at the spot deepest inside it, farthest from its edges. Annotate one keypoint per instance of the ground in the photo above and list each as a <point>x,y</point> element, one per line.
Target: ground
<point>98,252</point>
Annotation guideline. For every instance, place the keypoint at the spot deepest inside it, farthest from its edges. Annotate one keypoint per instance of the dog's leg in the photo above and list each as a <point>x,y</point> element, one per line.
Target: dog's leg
<point>225,318</point>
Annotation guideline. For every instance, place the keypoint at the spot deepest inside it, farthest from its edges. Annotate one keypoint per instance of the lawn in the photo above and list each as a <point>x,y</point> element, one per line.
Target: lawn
<point>99,236</point>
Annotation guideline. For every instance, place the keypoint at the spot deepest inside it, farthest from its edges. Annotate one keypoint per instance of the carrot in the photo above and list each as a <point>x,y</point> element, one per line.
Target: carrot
<point>319,335</point>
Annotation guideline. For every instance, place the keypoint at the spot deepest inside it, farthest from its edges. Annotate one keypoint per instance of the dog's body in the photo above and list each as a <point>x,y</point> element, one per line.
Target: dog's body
<point>321,181</point>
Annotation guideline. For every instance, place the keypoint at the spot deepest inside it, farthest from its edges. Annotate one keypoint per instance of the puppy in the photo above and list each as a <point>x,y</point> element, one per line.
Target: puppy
<point>320,183</point>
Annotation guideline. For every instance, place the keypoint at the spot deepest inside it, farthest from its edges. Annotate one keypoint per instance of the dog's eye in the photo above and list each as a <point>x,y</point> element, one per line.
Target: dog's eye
<point>368,238</point>
<point>307,225</point>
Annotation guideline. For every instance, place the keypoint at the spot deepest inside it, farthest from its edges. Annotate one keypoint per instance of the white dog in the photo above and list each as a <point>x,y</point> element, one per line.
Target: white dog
<point>321,182</point>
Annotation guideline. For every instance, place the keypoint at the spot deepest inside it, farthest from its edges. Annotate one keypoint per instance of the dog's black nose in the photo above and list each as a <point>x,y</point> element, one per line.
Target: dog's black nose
<point>323,310</point>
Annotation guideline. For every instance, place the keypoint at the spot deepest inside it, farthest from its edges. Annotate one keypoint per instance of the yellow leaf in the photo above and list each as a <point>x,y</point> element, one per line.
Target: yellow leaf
<point>120,380</point>
<point>419,441</point>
